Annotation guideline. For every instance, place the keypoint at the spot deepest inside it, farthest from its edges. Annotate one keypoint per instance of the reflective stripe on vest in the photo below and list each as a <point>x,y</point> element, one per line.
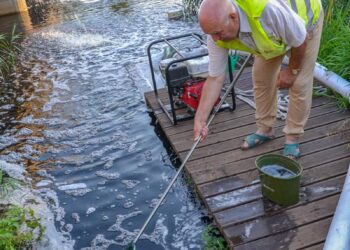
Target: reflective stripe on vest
<point>267,47</point>
<point>308,10</point>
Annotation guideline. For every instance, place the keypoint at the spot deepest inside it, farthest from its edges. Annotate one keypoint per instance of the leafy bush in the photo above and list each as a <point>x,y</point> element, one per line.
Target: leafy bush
<point>12,220</point>
<point>213,239</point>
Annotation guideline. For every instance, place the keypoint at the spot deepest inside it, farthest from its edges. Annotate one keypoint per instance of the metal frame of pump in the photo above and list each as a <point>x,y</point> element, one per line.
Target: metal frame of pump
<point>171,111</point>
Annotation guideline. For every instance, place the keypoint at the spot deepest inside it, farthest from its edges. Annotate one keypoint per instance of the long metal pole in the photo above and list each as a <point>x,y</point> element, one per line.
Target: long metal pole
<point>191,151</point>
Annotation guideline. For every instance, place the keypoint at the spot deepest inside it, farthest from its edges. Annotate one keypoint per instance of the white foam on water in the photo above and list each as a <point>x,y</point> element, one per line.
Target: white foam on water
<point>90,210</point>
<point>188,228</point>
<point>108,175</point>
<point>24,131</point>
<point>128,204</point>
<point>78,192</point>
<point>72,186</point>
<point>120,197</point>
<point>125,236</point>
<point>69,40</point>
<point>6,141</point>
<point>44,183</point>
<point>76,217</point>
<point>130,183</point>
<point>13,170</point>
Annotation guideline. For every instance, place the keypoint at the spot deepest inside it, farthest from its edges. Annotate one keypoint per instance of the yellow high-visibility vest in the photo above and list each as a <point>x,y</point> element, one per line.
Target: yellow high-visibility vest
<point>270,47</point>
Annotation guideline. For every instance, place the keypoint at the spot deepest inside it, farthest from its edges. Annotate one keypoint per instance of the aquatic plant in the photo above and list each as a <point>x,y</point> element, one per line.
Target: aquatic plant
<point>191,7</point>
<point>9,47</point>
<point>213,239</point>
<point>12,220</point>
<point>7,183</point>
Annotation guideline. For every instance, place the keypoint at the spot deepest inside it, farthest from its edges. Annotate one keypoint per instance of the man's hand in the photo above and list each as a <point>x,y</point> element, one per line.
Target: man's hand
<point>210,94</point>
<point>285,79</point>
<point>200,128</point>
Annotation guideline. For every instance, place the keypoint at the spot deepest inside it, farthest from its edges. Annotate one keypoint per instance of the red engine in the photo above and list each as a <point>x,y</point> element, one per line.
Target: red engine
<point>192,92</point>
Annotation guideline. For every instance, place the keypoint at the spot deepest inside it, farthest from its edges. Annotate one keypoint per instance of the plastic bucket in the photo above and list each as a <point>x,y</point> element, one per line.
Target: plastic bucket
<point>280,190</point>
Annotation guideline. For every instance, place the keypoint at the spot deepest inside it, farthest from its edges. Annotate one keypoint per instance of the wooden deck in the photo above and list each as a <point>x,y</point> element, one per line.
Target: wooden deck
<point>228,183</point>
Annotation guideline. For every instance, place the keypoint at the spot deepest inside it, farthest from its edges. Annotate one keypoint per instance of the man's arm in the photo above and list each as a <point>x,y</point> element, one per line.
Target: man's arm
<point>297,55</point>
<point>210,93</point>
<point>287,76</point>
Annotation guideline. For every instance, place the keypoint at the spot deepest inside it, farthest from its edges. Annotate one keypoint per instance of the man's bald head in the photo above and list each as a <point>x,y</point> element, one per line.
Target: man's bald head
<point>219,18</point>
<point>214,12</point>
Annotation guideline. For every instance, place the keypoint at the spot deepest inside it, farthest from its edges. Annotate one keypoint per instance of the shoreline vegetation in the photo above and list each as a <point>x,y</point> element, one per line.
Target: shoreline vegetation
<point>9,50</point>
<point>20,227</point>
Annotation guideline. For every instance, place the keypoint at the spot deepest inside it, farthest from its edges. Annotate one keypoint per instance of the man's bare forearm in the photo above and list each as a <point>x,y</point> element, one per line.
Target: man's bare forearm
<point>297,56</point>
<point>210,93</point>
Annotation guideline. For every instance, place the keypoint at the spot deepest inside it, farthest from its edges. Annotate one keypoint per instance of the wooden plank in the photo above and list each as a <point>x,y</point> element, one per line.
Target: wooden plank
<point>239,134</point>
<point>211,173</point>
<point>225,116</point>
<point>214,161</point>
<point>165,122</point>
<point>318,246</point>
<point>230,183</point>
<point>236,212</point>
<point>286,220</point>
<point>248,193</point>
<point>184,139</point>
<point>300,237</point>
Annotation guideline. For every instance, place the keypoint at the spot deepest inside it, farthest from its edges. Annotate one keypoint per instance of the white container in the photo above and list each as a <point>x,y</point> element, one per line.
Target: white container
<point>188,52</point>
<point>198,67</point>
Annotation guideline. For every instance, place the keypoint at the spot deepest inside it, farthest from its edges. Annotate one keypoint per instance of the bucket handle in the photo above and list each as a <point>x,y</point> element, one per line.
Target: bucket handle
<point>269,188</point>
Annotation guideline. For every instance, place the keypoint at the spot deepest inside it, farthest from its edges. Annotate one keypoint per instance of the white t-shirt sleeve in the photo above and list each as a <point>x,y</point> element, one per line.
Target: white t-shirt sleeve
<point>217,58</point>
<point>281,20</point>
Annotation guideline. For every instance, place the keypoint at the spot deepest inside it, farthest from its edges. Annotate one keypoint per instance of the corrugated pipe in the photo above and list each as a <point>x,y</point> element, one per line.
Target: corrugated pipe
<point>338,236</point>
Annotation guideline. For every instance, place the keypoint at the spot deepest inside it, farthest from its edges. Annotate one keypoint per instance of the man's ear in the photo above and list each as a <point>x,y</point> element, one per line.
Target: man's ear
<point>233,15</point>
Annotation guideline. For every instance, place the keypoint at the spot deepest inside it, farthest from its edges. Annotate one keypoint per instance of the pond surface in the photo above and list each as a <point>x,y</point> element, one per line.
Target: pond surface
<point>76,118</point>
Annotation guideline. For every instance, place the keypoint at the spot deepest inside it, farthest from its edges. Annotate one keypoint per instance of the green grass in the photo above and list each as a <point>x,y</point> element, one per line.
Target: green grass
<point>11,221</point>
<point>341,101</point>
<point>9,47</point>
<point>213,239</point>
<point>334,51</point>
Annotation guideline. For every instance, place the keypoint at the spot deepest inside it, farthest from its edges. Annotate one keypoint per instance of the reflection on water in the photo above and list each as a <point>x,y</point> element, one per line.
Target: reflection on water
<point>76,118</point>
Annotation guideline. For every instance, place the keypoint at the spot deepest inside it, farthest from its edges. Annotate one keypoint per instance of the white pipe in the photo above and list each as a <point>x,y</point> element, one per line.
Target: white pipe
<point>330,79</point>
<point>338,236</point>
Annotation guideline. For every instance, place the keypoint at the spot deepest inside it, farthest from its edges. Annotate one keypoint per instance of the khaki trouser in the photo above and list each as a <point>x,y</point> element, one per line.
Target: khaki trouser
<point>265,74</point>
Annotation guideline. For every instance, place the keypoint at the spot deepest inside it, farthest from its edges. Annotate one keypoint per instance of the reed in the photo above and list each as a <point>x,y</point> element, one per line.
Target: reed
<point>9,48</point>
<point>334,51</point>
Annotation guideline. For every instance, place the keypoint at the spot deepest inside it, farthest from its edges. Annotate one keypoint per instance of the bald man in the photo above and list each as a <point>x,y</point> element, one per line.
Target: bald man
<point>269,29</point>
